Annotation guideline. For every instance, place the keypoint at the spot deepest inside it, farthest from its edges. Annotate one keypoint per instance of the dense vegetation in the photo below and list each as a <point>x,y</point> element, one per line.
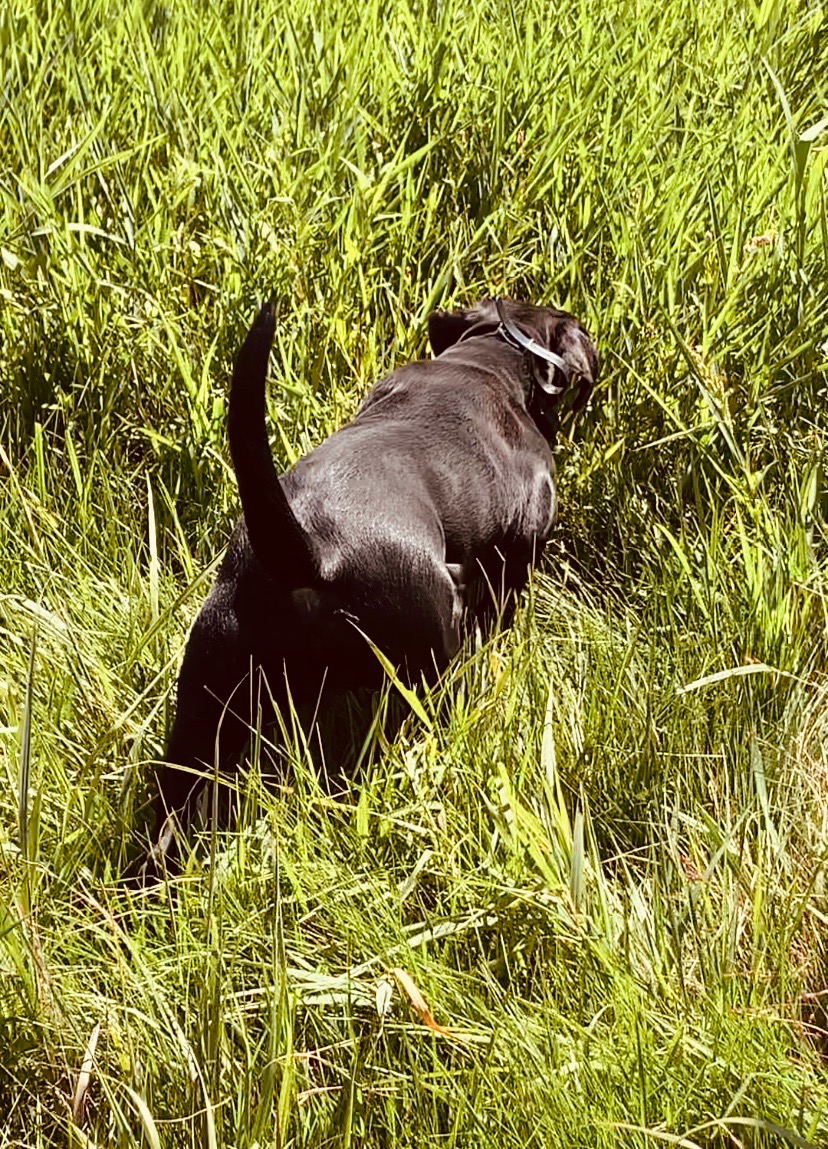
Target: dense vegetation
<point>600,850</point>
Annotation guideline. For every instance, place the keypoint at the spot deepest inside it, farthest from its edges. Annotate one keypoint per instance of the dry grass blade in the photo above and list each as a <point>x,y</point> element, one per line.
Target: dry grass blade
<point>416,1000</point>
<point>734,672</point>
<point>85,1076</point>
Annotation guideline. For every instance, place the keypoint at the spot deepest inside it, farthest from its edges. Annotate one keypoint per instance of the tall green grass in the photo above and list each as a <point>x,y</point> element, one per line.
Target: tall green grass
<point>600,849</point>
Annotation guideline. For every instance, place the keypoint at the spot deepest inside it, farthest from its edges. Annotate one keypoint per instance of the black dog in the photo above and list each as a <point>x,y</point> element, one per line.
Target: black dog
<point>426,511</point>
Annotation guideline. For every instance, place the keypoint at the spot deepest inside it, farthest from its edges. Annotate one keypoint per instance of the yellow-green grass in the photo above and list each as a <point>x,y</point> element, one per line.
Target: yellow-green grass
<point>599,849</point>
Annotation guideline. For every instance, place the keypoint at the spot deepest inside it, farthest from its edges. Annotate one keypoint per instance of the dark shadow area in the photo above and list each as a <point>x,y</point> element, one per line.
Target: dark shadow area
<point>336,738</point>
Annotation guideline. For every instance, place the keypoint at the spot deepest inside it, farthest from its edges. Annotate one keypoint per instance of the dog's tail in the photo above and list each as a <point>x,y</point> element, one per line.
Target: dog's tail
<point>278,541</point>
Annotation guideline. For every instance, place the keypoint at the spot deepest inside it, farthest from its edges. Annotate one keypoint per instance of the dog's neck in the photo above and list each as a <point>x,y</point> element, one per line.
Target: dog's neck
<point>487,352</point>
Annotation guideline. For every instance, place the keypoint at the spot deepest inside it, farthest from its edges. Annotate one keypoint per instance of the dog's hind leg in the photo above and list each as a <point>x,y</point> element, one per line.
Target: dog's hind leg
<point>212,721</point>
<point>432,635</point>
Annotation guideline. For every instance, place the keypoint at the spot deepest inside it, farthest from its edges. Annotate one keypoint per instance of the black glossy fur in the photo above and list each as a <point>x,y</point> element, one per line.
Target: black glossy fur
<point>428,509</point>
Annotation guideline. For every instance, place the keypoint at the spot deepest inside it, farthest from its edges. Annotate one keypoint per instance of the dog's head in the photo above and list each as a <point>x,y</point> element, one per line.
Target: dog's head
<point>574,358</point>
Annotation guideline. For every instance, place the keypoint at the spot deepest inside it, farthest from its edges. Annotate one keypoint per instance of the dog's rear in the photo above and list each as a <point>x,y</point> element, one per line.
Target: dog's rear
<point>384,534</point>
<point>291,614</point>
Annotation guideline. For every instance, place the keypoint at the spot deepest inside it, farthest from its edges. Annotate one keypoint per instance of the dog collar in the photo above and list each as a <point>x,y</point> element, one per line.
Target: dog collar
<point>512,335</point>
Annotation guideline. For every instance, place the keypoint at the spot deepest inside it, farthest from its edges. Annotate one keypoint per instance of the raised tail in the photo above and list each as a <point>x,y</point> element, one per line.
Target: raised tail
<point>278,541</point>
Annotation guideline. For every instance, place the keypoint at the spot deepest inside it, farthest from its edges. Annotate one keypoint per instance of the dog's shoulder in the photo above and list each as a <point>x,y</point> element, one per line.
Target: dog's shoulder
<point>436,384</point>
<point>397,384</point>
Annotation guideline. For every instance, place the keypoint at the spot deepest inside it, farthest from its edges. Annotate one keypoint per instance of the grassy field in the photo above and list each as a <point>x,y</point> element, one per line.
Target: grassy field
<point>600,850</point>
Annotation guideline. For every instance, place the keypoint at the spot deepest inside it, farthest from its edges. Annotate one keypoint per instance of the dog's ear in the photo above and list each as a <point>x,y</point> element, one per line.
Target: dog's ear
<point>578,352</point>
<point>562,393</point>
<point>445,328</point>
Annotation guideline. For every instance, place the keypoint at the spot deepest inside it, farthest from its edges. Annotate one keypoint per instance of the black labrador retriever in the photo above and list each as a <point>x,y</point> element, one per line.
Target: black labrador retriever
<point>424,513</point>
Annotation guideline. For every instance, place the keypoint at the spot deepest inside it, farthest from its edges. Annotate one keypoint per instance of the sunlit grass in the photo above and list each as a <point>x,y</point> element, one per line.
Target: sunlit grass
<point>602,856</point>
